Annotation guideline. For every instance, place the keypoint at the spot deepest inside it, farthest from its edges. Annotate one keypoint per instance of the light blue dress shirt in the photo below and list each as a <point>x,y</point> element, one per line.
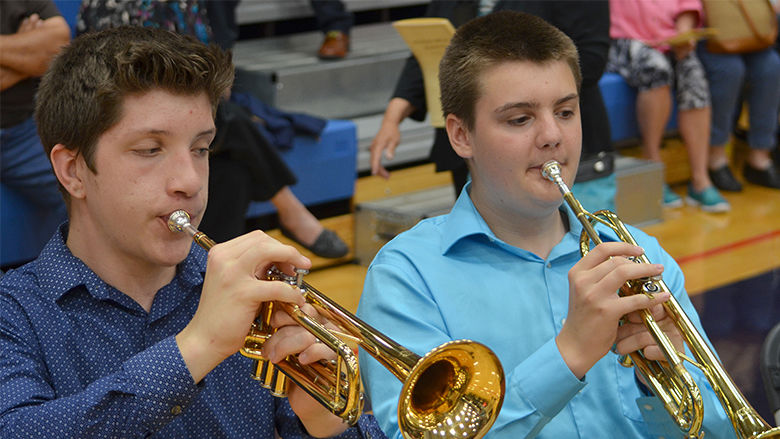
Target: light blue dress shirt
<point>450,278</point>
<point>80,359</point>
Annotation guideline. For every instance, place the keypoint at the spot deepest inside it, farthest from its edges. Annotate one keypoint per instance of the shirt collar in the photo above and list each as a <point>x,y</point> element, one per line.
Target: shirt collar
<point>59,271</point>
<point>464,220</point>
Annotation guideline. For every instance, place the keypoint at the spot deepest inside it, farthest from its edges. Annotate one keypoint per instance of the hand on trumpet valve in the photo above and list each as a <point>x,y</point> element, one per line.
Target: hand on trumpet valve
<point>290,339</point>
<point>633,334</point>
<point>231,295</point>
<point>595,309</point>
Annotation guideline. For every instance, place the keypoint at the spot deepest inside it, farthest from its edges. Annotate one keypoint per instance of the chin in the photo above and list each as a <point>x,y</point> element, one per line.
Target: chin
<point>174,253</point>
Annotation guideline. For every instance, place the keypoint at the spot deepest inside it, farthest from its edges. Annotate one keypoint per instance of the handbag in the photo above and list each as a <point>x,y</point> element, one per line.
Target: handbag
<point>741,25</point>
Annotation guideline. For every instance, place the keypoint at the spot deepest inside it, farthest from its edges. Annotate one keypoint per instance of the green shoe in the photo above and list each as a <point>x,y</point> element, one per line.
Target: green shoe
<point>670,198</point>
<point>709,200</point>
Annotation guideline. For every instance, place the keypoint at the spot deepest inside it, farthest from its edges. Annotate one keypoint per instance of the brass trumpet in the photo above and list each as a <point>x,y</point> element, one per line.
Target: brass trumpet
<point>671,383</point>
<point>454,391</point>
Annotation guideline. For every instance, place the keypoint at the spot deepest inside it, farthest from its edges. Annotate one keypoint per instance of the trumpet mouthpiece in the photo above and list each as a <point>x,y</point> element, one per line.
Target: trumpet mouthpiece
<point>551,169</point>
<point>178,220</point>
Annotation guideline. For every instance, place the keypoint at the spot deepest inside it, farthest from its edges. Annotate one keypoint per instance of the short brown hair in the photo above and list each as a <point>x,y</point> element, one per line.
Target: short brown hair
<point>81,95</point>
<point>492,39</point>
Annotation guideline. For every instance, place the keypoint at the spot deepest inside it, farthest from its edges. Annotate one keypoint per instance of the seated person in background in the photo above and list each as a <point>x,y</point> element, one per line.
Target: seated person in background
<point>639,55</point>
<point>585,22</point>
<point>31,34</point>
<point>241,173</point>
<point>757,74</point>
<point>503,267</point>
<point>122,328</point>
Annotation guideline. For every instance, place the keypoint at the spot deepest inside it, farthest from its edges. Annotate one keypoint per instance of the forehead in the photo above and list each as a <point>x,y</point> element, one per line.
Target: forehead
<point>512,78</point>
<point>160,112</point>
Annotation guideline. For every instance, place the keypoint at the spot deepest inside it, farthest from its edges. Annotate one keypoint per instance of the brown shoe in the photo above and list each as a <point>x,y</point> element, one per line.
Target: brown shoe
<point>335,45</point>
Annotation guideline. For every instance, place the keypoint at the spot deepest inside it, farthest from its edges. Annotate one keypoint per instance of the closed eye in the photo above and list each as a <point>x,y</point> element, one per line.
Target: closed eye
<point>517,121</point>
<point>147,152</point>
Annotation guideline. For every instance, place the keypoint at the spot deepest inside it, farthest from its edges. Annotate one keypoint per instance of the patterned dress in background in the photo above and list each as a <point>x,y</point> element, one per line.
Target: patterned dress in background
<point>182,16</point>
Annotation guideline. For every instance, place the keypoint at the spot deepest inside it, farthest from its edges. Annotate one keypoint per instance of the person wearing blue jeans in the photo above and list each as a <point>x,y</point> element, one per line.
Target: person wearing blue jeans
<point>31,33</point>
<point>756,75</point>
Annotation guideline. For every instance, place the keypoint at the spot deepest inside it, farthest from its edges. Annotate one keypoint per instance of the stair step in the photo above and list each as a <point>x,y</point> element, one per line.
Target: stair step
<point>263,11</point>
<point>360,84</point>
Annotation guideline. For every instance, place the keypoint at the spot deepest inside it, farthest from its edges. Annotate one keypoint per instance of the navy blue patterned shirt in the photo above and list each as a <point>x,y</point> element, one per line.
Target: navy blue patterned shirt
<point>80,359</point>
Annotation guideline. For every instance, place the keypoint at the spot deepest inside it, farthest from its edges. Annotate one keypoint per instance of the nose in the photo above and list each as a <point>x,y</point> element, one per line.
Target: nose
<point>188,174</point>
<point>549,131</point>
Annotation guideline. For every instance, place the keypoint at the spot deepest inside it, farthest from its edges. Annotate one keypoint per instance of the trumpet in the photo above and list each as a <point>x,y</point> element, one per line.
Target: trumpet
<point>454,391</point>
<point>670,382</point>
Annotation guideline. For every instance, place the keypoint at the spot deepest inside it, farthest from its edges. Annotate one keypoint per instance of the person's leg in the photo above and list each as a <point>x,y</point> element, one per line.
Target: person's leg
<point>725,74</point>
<point>694,117</point>
<point>298,224</point>
<point>653,108</point>
<point>650,72</point>
<point>335,22</point>
<point>295,217</point>
<point>763,96</point>
<point>332,15</point>
<point>230,181</point>
<point>25,167</point>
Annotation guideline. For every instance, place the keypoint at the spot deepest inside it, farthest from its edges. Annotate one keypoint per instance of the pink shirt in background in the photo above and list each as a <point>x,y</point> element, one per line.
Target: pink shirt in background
<point>649,21</point>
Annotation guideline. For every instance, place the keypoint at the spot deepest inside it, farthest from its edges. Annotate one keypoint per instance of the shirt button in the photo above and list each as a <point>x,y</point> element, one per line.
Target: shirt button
<point>648,407</point>
<point>549,265</point>
<point>176,410</point>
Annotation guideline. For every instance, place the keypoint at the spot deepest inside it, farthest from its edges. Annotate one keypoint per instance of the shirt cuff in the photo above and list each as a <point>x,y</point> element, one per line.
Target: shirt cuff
<point>162,382</point>
<point>551,385</point>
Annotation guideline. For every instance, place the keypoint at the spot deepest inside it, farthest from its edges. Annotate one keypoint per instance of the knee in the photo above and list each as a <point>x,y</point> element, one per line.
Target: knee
<point>727,72</point>
<point>766,69</point>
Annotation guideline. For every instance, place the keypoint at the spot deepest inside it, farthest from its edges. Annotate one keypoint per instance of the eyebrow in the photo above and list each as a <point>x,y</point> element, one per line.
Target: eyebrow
<point>533,104</point>
<point>158,132</point>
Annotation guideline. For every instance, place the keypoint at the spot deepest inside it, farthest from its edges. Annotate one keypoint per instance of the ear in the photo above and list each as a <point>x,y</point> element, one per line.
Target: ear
<point>69,168</point>
<point>460,137</point>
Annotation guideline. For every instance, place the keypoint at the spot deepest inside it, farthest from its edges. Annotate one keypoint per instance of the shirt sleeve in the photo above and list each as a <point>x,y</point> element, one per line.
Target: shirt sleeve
<point>395,301</point>
<point>149,390</point>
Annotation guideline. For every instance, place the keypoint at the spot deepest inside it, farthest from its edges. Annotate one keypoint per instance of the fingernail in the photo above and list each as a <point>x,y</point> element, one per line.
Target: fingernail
<point>659,267</point>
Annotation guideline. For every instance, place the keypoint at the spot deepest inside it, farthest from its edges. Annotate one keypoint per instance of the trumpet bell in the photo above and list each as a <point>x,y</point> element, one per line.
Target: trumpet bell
<point>455,390</point>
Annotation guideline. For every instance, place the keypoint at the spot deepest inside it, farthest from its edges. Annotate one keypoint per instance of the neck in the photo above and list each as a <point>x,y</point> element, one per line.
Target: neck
<point>537,232</point>
<point>138,279</point>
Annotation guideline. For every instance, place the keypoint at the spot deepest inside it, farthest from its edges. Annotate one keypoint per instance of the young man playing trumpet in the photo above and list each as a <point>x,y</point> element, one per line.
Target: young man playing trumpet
<point>121,328</point>
<point>503,267</point>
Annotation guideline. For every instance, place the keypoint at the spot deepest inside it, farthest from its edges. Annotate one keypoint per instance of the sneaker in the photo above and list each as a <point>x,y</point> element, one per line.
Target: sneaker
<point>670,198</point>
<point>709,200</point>
<point>724,180</point>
